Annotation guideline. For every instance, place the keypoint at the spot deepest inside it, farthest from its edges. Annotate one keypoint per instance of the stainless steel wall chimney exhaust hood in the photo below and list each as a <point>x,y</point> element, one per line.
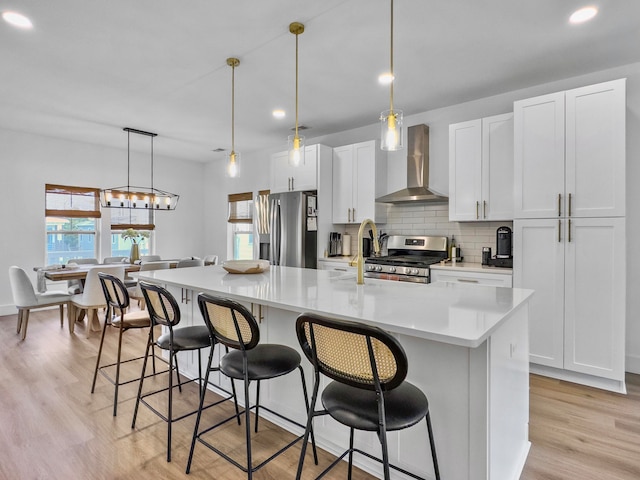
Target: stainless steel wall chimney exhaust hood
<point>417,189</point>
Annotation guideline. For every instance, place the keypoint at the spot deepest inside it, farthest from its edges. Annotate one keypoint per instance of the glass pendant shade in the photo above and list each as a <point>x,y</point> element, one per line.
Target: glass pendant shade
<point>233,165</point>
<point>391,130</point>
<point>295,145</point>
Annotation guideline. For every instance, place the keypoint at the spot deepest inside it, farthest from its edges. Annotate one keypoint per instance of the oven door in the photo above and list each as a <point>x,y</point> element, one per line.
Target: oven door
<point>396,278</point>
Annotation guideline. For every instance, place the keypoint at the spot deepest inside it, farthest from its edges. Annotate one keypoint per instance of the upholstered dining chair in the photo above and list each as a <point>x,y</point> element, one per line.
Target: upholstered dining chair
<point>110,260</point>
<point>92,298</point>
<point>190,262</point>
<point>135,293</point>
<point>150,258</point>
<point>26,299</point>
<point>76,286</point>
<point>211,260</point>
<point>369,392</point>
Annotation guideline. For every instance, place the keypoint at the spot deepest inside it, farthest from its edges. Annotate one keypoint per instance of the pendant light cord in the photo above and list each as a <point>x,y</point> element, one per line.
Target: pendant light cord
<point>296,85</point>
<point>233,107</point>
<point>391,63</point>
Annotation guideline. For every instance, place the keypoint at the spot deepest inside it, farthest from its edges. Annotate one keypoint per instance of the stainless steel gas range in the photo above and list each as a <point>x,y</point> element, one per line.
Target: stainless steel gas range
<point>408,258</point>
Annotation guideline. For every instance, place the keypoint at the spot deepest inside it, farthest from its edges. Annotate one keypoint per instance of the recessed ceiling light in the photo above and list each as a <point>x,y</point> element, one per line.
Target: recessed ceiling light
<point>17,19</point>
<point>583,15</point>
<point>385,78</point>
<point>278,113</point>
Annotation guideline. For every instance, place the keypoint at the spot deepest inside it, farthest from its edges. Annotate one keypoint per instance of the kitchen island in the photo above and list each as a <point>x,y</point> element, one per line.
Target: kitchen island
<point>467,348</point>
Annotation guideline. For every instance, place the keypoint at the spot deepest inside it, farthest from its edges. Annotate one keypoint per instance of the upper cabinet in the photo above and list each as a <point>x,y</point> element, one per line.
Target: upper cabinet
<point>358,179</point>
<point>481,169</point>
<point>287,178</point>
<point>569,150</point>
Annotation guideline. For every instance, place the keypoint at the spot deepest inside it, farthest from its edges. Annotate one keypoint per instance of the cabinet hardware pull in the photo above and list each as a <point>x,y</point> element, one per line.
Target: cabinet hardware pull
<point>569,204</point>
<point>559,228</point>
<point>484,207</point>
<point>353,216</point>
<point>559,203</point>
<point>292,186</point>
<point>349,215</point>
<point>467,280</point>
<point>569,233</point>
<point>340,269</point>
<point>477,207</point>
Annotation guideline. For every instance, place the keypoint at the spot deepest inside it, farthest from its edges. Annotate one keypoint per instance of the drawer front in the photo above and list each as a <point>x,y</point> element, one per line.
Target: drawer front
<point>494,279</point>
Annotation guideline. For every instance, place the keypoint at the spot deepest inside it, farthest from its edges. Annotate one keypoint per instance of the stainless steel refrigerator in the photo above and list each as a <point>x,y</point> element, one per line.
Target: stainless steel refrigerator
<point>293,229</point>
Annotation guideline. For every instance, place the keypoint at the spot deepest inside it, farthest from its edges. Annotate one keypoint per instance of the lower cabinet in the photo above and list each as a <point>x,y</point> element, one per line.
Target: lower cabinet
<point>478,278</point>
<point>577,316</point>
<point>338,265</point>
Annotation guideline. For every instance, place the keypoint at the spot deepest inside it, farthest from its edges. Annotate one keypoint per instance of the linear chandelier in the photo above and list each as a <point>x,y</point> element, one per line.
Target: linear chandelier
<point>139,198</point>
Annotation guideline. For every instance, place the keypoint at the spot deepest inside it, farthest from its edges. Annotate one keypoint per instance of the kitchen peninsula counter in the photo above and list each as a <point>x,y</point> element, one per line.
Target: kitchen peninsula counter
<point>467,348</point>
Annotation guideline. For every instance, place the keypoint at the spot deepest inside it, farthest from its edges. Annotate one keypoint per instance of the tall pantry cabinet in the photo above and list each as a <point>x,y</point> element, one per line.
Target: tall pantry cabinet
<point>569,230</point>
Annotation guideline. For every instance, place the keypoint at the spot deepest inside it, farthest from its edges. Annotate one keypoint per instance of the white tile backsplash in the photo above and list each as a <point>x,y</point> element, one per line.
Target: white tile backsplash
<point>427,219</point>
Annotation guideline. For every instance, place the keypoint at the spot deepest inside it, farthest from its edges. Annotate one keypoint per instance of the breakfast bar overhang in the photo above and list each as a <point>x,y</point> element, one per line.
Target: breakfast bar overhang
<point>467,347</point>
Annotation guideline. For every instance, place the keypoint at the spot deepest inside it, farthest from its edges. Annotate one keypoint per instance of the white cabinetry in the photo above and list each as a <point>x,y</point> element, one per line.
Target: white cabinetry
<point>338,265</point>
<point>577,268</point>
<point>287,178</point>
<point>358,179</point>
<point>570,153</point>
<point>481,169</point>
<point>569,232</point>
<point>472,277</point>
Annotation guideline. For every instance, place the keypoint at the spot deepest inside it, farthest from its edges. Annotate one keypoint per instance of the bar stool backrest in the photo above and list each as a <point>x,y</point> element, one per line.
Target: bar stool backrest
<point>163,307</point>
<point>115,292</point>
<point>352,353</point>
<point>229,322</point>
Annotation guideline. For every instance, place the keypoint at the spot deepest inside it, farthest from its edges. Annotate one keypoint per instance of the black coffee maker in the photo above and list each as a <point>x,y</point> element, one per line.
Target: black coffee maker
<point>503,242</point>
<point>503,257</point>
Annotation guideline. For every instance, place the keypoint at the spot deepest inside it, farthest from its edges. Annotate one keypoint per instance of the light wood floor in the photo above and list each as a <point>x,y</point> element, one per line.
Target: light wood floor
<point>52,427</point>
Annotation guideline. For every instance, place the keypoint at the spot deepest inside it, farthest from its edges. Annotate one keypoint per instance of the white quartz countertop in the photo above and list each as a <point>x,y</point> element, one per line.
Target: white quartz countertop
<point>471,267</point>
<point>445,312</point>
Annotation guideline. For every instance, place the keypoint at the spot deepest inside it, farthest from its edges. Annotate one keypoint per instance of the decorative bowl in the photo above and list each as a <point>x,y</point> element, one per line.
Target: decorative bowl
<point>245,266</point>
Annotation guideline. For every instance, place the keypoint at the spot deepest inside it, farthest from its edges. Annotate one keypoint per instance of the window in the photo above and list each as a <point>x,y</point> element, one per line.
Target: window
<point>242,241</point>
<point>71,222</point>
<point>241,219</point>
<point>124,218</point>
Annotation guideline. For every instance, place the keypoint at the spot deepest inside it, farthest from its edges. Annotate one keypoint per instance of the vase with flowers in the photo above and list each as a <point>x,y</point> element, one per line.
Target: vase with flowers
<point>136,238</point>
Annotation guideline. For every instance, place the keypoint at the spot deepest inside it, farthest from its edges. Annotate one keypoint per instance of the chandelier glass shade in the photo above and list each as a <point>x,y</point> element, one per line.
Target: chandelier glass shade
<point>136,197</point>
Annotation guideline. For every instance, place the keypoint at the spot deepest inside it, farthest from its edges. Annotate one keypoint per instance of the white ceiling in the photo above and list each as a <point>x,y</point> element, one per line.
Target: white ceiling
<point>89,68</point>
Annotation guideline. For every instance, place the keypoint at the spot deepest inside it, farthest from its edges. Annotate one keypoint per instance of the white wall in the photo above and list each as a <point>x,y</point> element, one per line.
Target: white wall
<point>28,162</point>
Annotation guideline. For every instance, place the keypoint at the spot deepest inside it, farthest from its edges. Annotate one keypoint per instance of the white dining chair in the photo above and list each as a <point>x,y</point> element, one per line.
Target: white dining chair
<point>190,262</point>
<point>26,299</point>
<point>150,258</point>
<point>75,286</point>
<point>92,297</point>
<point>211,260</point>
<point>111,260</point>
<point>135,293</point>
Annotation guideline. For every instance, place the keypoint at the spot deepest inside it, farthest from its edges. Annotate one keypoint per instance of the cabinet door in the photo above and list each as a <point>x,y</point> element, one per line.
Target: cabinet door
<point>497,168</point>
<point>342,184</point>
<point>465,170</point>
<point>280,172</point>
<point>595,153</point>
<point>538,264</point>
<point>305,176</point>
<point>595,297</point>
<point>185,298</point>
<point>364,185</point>
<point>539,156</point>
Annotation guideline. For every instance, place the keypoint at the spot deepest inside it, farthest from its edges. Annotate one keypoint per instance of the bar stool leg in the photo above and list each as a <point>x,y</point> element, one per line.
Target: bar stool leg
<point>436,470</point>
<point>247,414</point>
<point>257,415</point>
<point>144,369</point>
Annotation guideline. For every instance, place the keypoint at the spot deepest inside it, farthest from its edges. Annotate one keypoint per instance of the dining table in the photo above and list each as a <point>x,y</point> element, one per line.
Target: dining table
<point>79,272</point>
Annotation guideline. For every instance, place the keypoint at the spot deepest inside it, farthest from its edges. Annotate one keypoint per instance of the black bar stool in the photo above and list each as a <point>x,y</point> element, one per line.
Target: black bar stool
<point>117,299</point>
<point>164,310</point>
<point>232,325</point>
<point>368,393</point>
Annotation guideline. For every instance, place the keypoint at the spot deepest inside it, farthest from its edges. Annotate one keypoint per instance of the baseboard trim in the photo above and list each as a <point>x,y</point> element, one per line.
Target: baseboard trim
<point>9,309</point>
<point>632,364</point>
<point>580,378</point>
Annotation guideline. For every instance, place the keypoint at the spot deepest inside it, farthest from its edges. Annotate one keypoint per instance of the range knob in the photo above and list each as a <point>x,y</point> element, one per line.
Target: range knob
<point>415,271</point>
<point>371,267</point>
<point>392,269</point>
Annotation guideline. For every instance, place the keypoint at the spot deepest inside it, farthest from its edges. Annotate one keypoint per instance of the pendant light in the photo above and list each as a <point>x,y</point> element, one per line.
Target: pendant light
<point>138,198</point>
<point>295,143</point>
<point>391,120</point>
<point>233,159</point>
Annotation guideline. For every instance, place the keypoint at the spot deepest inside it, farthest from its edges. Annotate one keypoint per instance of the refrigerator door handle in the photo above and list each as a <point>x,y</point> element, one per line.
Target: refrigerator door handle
<point>274,248</point>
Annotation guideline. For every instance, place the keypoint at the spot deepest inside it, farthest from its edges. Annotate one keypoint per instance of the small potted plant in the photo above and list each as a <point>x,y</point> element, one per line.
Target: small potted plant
<point>136,238</point>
